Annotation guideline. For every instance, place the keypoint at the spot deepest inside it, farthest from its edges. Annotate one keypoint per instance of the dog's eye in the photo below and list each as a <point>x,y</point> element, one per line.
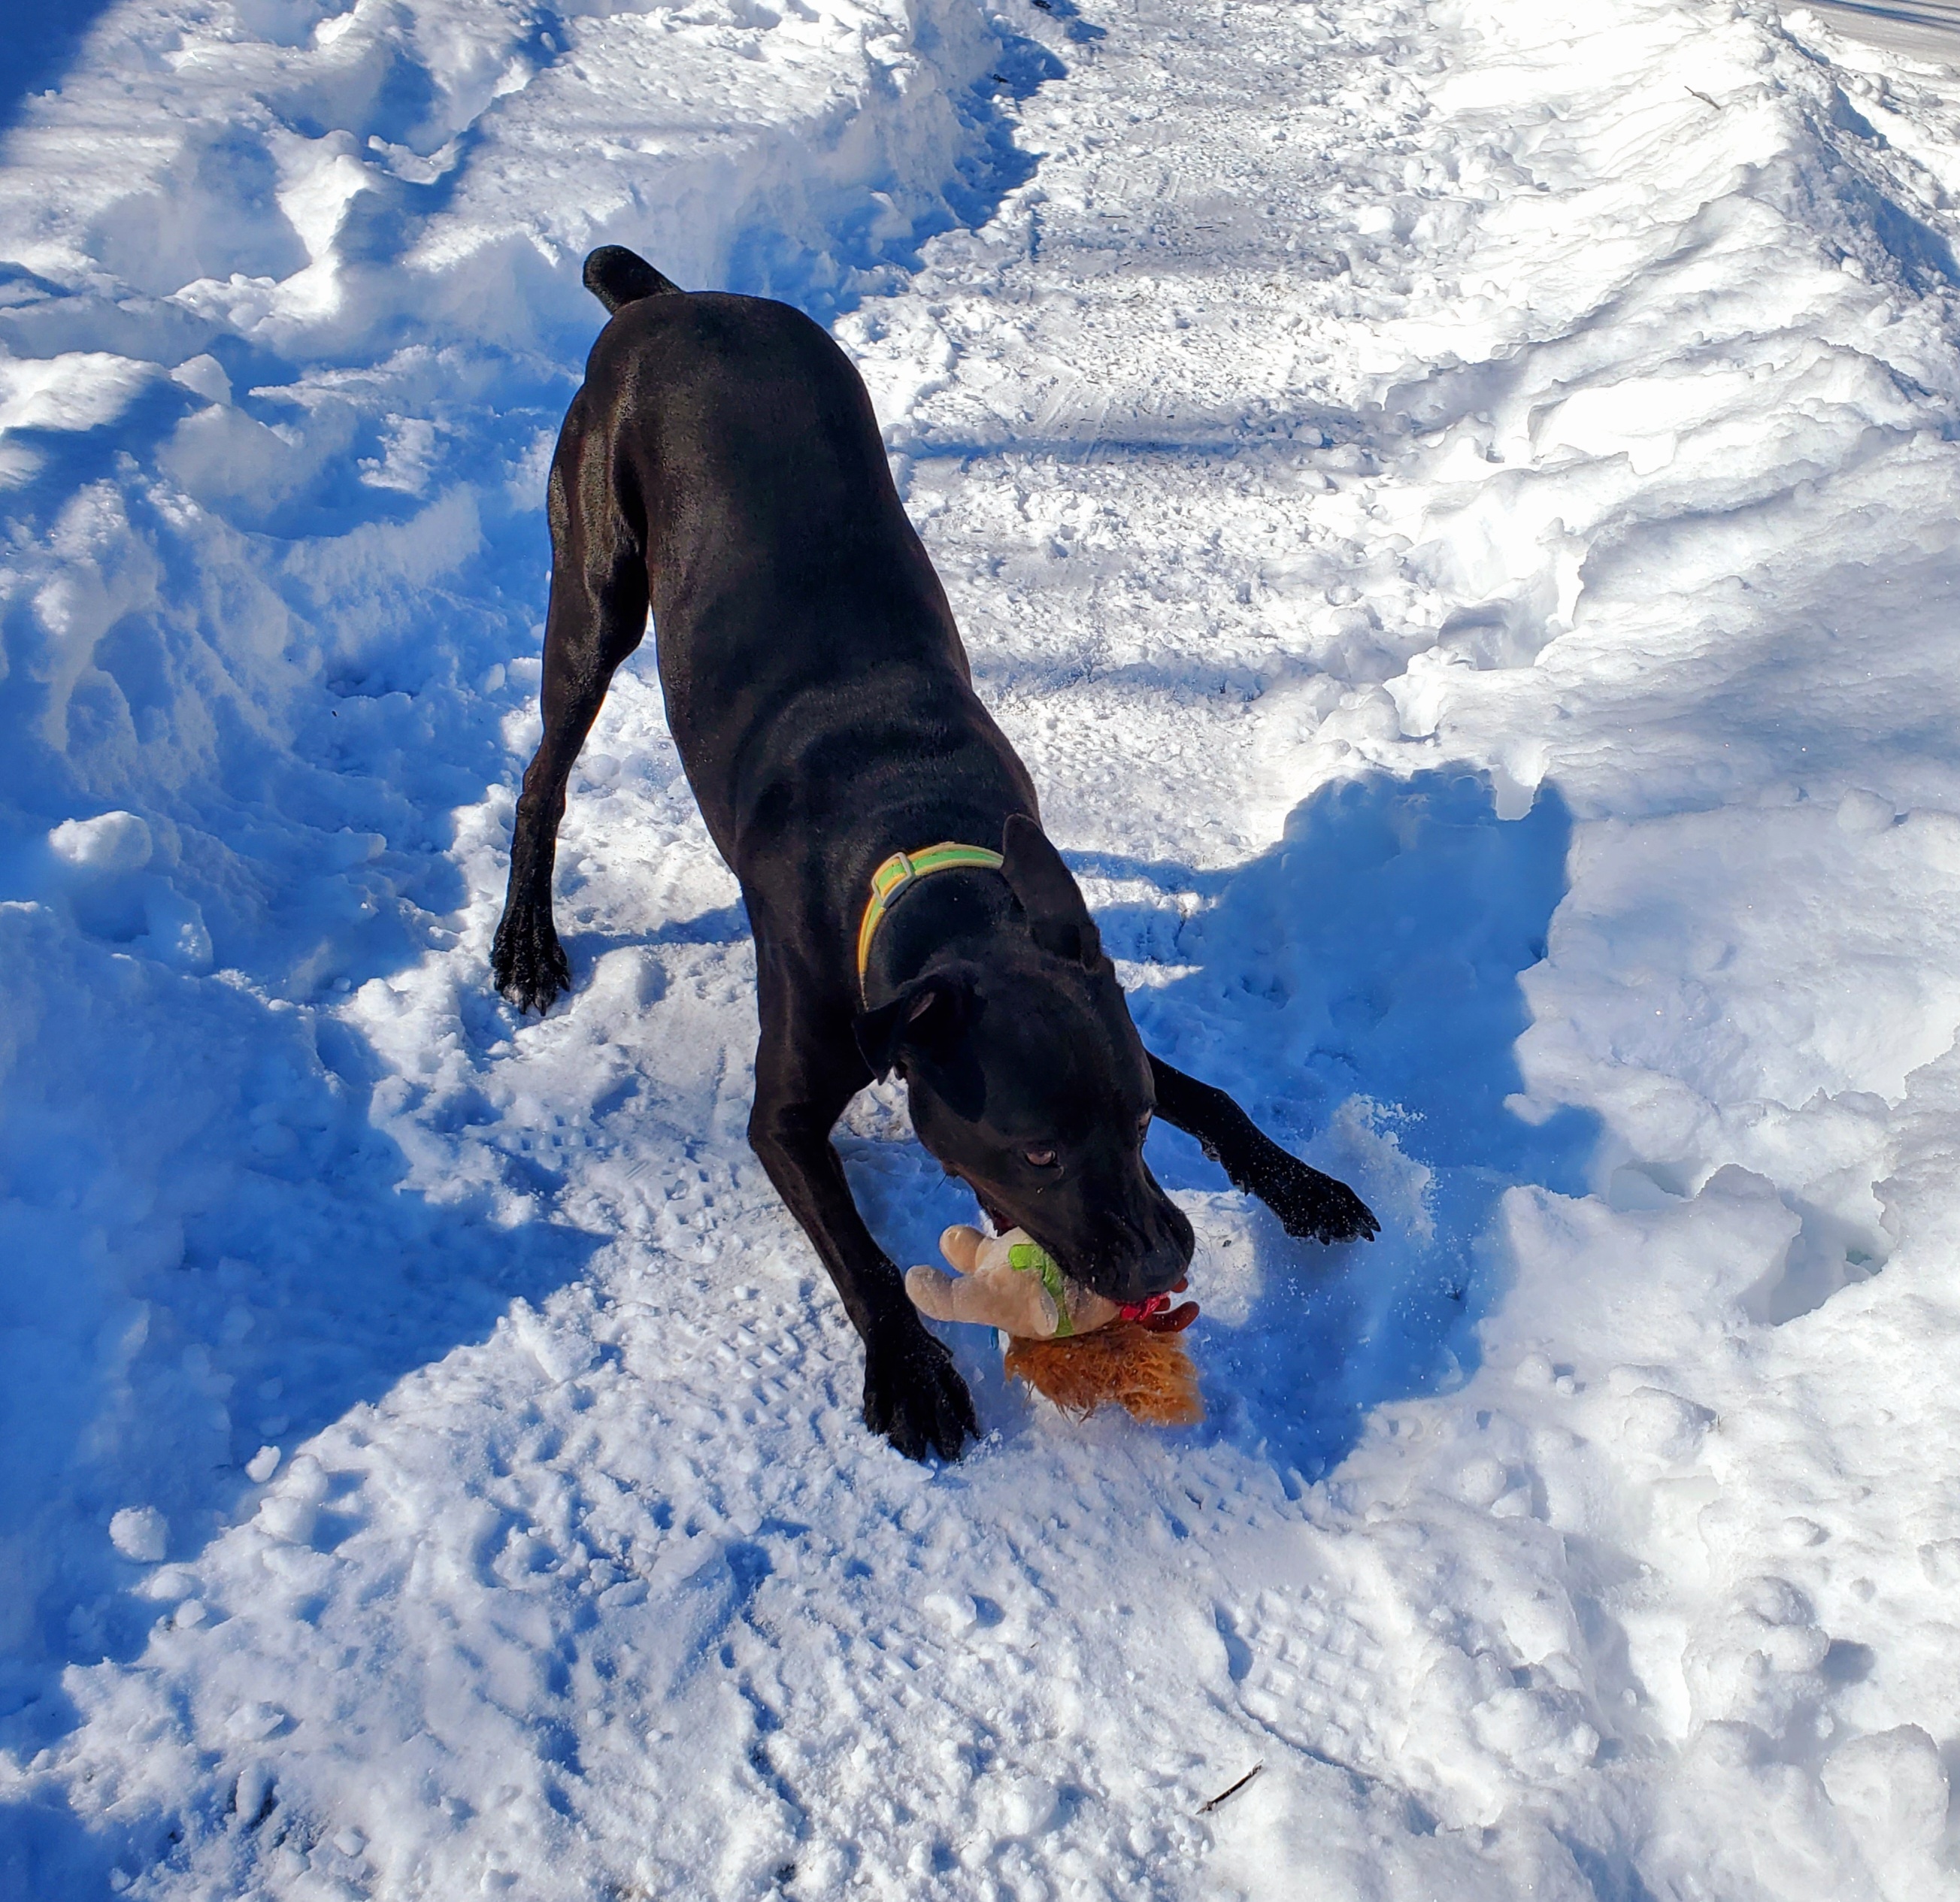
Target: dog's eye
<point>1143,1121</point>
<point>1040,1158</point>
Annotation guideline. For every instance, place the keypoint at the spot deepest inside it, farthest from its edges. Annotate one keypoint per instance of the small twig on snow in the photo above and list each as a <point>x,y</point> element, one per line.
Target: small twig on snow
<point>1225,1795</point>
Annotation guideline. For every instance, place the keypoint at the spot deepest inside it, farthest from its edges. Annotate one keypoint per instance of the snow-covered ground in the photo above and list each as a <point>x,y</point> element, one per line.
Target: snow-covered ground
<point>1456,504</point>
<point>1925,31</point>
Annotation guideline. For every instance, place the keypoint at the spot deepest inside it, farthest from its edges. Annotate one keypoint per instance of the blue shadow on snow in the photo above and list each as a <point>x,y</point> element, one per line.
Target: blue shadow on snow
<point>37,47</point>
<point>1356,987</point>
<point>862,254</point>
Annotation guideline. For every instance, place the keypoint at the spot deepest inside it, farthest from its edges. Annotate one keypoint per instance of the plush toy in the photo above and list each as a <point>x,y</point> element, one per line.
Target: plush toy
<point>1065,1340</point>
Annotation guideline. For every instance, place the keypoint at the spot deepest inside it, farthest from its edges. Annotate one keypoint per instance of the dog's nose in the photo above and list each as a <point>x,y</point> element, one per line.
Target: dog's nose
<point>1160,1260</point>
<point>1166,1269</point>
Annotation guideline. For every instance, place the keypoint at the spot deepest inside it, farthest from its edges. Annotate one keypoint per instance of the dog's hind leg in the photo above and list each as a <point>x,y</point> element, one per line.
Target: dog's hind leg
<point>1311,1206</point>
<point>806,1072</point>
<point>596,618</point>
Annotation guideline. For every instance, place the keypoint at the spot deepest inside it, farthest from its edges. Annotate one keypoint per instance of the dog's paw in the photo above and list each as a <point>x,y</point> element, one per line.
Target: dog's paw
<point>1311,1206</point>
<point>527,963</point>
<point>914,1395</point>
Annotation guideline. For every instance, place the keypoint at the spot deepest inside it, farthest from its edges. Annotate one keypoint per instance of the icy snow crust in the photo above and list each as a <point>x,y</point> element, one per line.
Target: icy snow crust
<point>1456,505</point>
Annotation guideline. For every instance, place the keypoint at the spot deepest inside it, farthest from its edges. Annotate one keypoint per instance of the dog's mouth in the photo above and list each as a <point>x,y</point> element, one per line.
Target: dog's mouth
<point>998,1219</point>
<point>999,1222</point>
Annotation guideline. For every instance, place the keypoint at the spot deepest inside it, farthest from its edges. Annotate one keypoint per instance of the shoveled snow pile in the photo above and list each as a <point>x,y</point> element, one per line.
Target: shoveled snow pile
<point>1457,507</point>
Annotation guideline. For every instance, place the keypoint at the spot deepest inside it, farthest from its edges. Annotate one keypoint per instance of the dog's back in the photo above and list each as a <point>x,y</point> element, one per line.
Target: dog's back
<point>813,674</point>
<point>738,425</point>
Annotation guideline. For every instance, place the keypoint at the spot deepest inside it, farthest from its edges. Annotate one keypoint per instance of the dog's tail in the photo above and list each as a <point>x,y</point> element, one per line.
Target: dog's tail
<point>616,276</point>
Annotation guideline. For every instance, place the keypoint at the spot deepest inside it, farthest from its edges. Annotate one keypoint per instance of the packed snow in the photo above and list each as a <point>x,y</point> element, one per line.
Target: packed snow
<point>1456,506</point>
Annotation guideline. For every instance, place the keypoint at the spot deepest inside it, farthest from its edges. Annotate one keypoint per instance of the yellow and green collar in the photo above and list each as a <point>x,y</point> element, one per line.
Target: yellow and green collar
<point>899,873</point>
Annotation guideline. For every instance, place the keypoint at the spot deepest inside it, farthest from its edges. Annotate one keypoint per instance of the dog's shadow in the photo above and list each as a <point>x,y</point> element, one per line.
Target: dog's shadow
<point>1355,988</point>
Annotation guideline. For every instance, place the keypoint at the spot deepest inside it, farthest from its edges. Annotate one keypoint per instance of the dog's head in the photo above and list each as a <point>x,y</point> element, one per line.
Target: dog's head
<point>1027,1078</point>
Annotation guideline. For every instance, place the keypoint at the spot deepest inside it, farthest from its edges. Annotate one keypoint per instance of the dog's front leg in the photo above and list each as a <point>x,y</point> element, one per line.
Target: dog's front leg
<point>1311,1206</point>
<point>913,1393</point>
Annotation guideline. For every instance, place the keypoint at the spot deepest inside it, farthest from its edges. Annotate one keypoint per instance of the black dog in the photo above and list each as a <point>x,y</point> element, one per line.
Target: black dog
<point>722,467</point>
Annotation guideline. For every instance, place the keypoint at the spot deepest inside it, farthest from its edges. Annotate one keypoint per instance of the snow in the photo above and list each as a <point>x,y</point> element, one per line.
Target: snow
<point>1925,31</point>
<point>1456,507</point>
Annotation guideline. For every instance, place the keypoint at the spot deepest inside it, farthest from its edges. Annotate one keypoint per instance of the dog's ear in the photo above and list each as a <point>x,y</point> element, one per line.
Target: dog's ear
<point>1057,917</point>
<point>928,1015</point>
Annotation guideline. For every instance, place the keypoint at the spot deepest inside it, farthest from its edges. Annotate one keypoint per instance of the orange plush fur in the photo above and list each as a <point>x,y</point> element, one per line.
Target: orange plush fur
<point>1147,1373</point>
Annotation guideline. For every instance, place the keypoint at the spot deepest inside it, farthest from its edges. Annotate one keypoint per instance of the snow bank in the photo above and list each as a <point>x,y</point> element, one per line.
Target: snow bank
<point>1456,510</point>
